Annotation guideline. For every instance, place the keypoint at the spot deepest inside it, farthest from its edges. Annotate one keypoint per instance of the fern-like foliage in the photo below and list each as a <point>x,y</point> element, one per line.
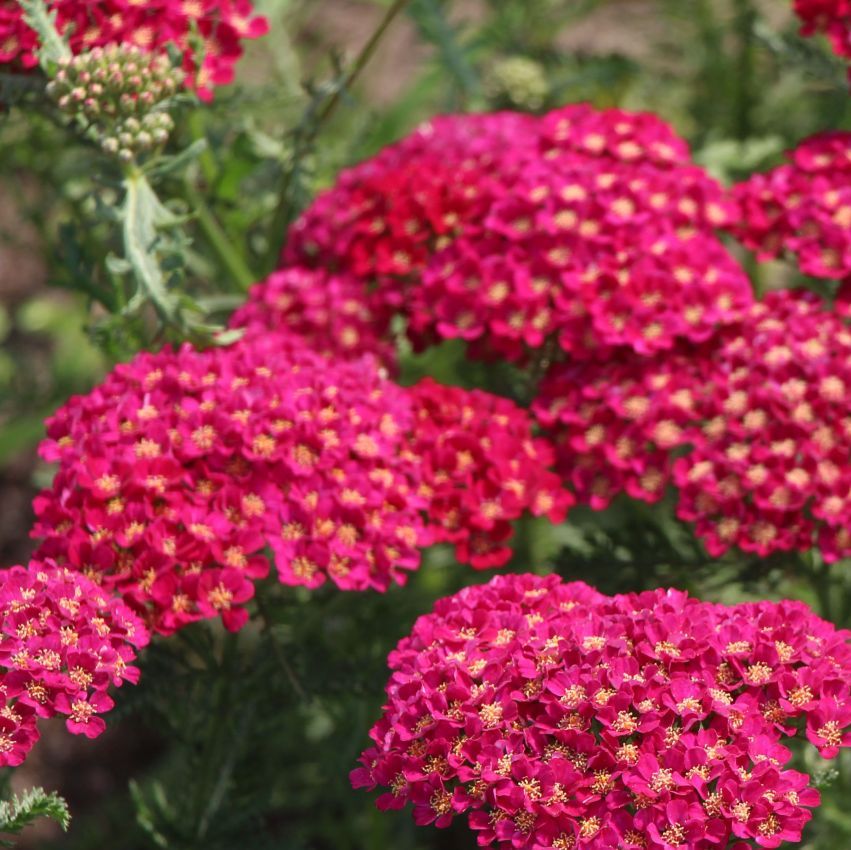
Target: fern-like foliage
<point>20,811</point>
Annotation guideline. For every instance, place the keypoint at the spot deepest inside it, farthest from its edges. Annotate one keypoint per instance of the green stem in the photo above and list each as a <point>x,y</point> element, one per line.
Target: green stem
<point>211,780</point>
<point>218,240</point>
<point>712,82</point>
<point>280,655</point>
<point>207,159</point>
<point>744,69</point>
<point>310,129</point>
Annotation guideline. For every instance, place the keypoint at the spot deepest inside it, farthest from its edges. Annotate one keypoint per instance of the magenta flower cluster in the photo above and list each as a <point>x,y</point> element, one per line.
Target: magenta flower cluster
<point>180,471</point>
<point>177,472</point>
<point>588,228</point>
<point>802,208</point>
<point>753,429</point>
<point>831,17</point>
<point>587,246</point>
<point>63,642</point>
<point>331,313</point>
<point>220,26</point>
<point>555,717</point>
<point>480,469</point>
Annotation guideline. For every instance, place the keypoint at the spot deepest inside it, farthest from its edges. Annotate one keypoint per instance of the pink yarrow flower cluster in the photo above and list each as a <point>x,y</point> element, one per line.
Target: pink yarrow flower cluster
<point>480,469</point>
<point>183,468</point>
<point>383,218</point>
<point>769,468</point>
<point>63,643</point>
<point>803,208</point>
<point>180,469</point>
<point>221,26</point>
<point>753,428</point>
<point>332,313</point>
<point>557,718</point>
<point>590,228</point>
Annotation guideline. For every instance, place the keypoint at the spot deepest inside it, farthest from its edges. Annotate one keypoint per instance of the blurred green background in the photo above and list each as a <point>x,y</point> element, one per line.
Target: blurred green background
<point>247,742</point>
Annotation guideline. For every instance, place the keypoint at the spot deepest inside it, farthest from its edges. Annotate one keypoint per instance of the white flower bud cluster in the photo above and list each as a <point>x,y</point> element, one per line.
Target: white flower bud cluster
<point>119,91</point>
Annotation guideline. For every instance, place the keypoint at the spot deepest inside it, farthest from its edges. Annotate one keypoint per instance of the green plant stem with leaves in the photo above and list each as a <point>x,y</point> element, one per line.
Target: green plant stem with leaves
<point>306,134</point>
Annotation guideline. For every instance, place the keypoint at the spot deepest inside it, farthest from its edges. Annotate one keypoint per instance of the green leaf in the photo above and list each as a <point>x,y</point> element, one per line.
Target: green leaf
<point>143,215</point>
<point>174,164</point>
<point>19,812</point>
<point>53,49</point>
<point>434,25</point>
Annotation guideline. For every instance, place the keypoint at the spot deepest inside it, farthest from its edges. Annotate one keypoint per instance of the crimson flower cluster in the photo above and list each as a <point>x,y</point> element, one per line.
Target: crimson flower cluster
<point>556,717</point>
<point>63,642</point>
<point>222,25</point>
<point>177,472</point>
<point>480,468</point>
<point>769,468</point>
<point>331,313</point>
<point>384,218</point>
<point>590,227</point>
<point>803,208</point>
<point>753,428</point>
<point>831,17</point>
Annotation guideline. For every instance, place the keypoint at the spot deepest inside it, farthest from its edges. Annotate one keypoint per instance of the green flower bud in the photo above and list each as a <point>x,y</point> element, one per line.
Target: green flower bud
<point>118,92</point>
<point>519,80</point>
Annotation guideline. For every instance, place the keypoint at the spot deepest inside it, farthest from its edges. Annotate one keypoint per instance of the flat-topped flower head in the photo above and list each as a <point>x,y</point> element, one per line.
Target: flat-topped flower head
<point>769,469</point>
<point>63,643</point>
<point>802,209</point>
<point>590,253</point>
<point>555,717</point>
<point>178,472</point>
<point>480,469</point>
<point>218,26</point>
<point>332,313</point>
<point>587,228</point>
<point>752,427</point>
